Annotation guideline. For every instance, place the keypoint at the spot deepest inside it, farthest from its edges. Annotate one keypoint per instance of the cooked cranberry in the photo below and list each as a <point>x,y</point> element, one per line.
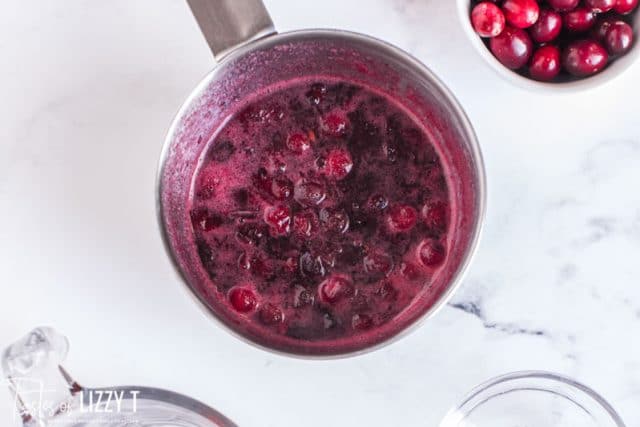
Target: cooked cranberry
<point>545,63</point>
<point>361,322</point>
<point>249,234</point>
<point>315,95</point>
<point>281,188</point>
<point>600,6</point>
<point>521,13</point>
<point>334,124</point>
<point>579,20</point>
<point>378,263</point>
<point>512,47</point>
<point>547,28</point>
<point>270,314</point>
<point>387,292</point>
<point>305,223</point>
<point>378,202</point>
<point>298,142</point>
<point>563,5</point>
<point>583,58</point>
<point>402,218</point>
<point>278,218</point>
<point>619,38</point>
<point>302,297</point>
<point>204,220</point>
<point>334,288</point>
<point>432,253</point>
<point>487,19</point>
<point>309,193</point>
<point>261,267</point>
<point>435,215</point>
<point>625,7</point>
<point>409,271</point>
<point>244,261</point>
<point>242,299</point>
<point>310,266</point>
<point>334,220</point>
<point>339,163</point>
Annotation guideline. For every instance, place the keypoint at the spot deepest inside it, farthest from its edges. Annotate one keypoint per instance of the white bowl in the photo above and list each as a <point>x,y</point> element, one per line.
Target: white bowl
<point>614,69</point>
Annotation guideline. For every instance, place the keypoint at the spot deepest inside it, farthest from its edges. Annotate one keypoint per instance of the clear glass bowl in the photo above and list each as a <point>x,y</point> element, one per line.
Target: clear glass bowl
<point>532,399</point>
<point>45,395</point>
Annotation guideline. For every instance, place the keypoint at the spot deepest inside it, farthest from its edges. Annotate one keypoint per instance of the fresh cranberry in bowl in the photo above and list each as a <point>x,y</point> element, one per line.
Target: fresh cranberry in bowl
<point>521,13</point>
<point>579,20</point>
<point>583,58</point>
<point>624,7</point>
<point>512,47</point>
<point>545,63</point>
<point>563,5</point>
<point>600,6</point>
<point>488,19</point>
<point>548,26</point>
<point>618,38</point>
<point>568,25</point>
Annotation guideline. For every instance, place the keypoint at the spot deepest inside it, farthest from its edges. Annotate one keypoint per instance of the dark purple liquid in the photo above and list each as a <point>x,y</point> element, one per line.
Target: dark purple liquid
<point>320,211</point>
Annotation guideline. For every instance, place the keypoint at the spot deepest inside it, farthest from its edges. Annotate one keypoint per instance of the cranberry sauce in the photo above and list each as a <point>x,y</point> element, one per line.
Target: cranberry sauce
<point>319,212</point>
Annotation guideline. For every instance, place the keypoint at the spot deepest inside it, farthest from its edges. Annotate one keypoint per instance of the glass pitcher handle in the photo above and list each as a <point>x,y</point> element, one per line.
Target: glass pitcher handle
<point>42,389</point>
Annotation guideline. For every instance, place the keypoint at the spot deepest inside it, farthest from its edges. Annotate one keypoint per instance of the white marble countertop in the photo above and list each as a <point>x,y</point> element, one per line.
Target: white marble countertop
<point>88,89</point>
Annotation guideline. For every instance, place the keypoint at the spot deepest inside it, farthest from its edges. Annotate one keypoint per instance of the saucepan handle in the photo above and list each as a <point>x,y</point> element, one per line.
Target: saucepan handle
<point>227,24</point>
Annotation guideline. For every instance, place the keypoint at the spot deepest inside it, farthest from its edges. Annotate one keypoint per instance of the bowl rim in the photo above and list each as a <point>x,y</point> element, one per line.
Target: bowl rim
<point>486,391</point>
<point>419,66</point>
<point>611,72</point>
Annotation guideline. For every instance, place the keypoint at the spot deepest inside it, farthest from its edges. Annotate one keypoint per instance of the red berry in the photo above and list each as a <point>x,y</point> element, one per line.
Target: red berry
<point>583,58</point>
<point>204,220</point>
<point>298,142</point>
<point>409,271</point>
<point>305,223</point>
<point>619,38</point>
<point>432,253</point>
<point>315,95</point>
<point>487,19</point>
<point>563,5</point>
<point>334,220</point>
<point>378,202</point>
<point>545,63</point>
<point>435,215</point>
<point>579,20</point>
<point>512,47</point>
<point>402,218</point>
<point>378,263</point>
<point>281,188</point>
<point>600,6</point>
<point>547,28</point>
<point>309,193</point>
<point>278,218</point>
<point>339,163</point>
<point>387,292</point>
<point>521,13</point>
<point>361,322</point>
<point>270,314</point>
<point>601,27</point>
<point>243,300</point>
<point>334,289</point>
<point>334,124</point>
<point>625,7</point>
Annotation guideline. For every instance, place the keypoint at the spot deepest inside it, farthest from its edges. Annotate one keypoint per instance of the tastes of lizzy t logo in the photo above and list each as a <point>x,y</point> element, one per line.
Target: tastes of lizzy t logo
<point>34,400</point>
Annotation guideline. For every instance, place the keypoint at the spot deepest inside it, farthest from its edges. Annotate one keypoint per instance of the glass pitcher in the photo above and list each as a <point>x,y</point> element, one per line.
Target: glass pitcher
<point>45,395</point>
